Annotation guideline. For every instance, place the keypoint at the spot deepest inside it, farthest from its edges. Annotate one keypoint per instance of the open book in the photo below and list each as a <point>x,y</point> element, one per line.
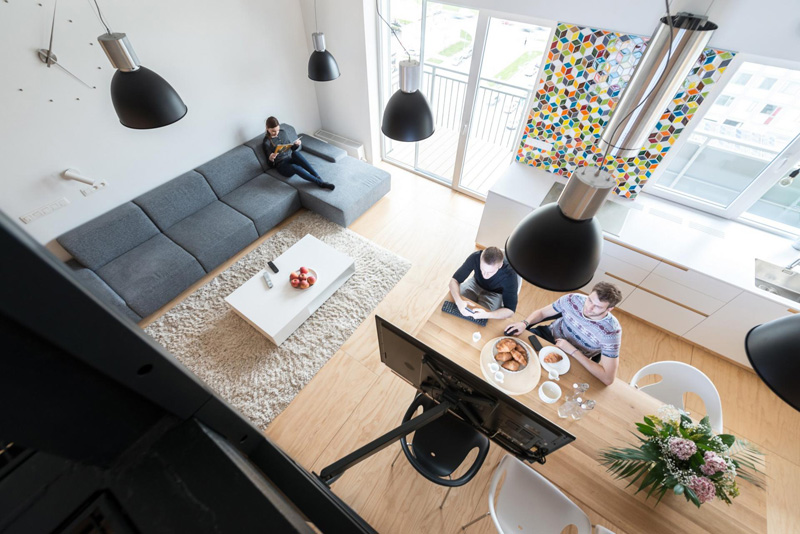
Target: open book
<point>281,148</point>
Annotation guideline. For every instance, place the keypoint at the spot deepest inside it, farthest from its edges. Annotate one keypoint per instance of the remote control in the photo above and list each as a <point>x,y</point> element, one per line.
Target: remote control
<point>272,266</point>
<point>268,280</point>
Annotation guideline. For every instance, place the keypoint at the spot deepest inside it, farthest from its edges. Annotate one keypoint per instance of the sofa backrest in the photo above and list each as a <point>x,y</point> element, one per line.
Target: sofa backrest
<point>230,170</point>
<point>108,236</point>
<point>175,200</point>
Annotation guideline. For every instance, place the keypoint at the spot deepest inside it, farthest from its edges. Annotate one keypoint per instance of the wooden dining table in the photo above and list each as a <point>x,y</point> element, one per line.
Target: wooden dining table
<point>576,468</point>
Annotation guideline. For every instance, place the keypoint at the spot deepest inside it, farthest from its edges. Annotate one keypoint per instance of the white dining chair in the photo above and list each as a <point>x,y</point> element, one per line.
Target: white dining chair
<point>598,529</point>
<point>528,502</point>
<point>678,378</point>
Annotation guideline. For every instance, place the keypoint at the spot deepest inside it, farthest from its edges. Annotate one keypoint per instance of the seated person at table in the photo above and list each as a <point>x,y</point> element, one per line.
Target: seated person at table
<point>289,162</point>
<point>587,330</point>
<point>493,286</point>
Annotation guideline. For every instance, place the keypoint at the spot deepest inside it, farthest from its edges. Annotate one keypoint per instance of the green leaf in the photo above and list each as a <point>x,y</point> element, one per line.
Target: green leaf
<point>649,421</point>
<point>646,430</point>
<point>691,496</point>
<point>678,489</point>
<point>727,439</point>
<point>704,421</point>
<point>685,419</point>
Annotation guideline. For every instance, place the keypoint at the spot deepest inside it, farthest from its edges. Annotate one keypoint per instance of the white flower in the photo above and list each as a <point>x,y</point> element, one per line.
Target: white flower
<point>669,413</point>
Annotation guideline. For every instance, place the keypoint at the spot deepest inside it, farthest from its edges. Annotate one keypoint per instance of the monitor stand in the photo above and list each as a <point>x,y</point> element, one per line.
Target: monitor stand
<point>450,398</point>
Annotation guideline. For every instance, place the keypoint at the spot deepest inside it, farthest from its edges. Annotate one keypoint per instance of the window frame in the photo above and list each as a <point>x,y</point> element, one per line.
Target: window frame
<point>773,172</point>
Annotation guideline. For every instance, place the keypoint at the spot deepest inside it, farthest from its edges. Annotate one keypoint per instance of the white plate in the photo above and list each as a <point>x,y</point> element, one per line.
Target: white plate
<point>561,367</point>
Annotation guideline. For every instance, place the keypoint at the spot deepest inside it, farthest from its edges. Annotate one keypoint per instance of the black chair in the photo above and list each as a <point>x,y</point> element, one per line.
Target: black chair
<point>440,447</point>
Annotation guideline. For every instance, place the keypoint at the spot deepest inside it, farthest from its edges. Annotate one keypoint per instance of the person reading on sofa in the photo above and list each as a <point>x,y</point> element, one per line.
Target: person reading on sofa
<point>283,156</point>
<point>493,285</point>
<point>586,330</point>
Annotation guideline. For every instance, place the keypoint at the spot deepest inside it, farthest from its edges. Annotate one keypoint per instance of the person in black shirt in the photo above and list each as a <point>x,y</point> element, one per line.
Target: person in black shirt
<point>494,285</point>
<point>289,162</point>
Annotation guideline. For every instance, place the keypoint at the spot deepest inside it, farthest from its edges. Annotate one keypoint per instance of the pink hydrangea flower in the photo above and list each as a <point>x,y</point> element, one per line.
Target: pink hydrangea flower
<point>682,448</point>
<point>703,488</point>
<point>714,464</point>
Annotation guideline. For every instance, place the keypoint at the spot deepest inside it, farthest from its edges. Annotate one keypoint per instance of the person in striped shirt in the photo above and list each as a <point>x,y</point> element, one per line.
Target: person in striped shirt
<point>586,330</point>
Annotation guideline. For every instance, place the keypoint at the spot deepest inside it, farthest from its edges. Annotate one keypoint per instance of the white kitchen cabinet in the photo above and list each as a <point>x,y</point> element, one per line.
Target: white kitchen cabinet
<point>660,312</point>
<point>725,330</point>
<point>691,297</point>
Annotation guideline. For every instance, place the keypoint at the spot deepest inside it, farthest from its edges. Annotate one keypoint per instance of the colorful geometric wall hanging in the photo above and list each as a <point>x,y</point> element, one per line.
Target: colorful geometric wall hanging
<point>583,78</point>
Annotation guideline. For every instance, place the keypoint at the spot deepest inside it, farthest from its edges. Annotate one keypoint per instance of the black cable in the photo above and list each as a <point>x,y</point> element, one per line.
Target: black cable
<point>100,13</point>
<point>669,58</point>
<point>391,29</point>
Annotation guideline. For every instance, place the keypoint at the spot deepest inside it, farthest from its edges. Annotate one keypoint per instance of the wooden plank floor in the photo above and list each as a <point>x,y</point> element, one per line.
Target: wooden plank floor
<point>354,398</point>
<point>485,162</point>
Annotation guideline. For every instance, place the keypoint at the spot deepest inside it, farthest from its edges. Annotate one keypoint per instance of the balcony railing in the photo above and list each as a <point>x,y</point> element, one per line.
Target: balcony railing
<point>496,117</point>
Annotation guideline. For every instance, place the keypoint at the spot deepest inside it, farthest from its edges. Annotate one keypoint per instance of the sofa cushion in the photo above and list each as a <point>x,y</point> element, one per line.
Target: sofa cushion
<point>256,144</point>
<point>213,234</point>
<point>106,237</point>
<point>230,170</point>
<point>177,199</point>
<point>152,274</point>
<point>265,200</point>
<point>321,149</point>
<point>359,185</point>
<point>95,285</point>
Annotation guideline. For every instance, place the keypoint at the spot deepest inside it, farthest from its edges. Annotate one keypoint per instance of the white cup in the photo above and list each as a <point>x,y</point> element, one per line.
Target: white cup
<point>494,367</point>
<point>549,392</point>
<point>499,377</point>
<point>476,337</point>
<point>552,374</point>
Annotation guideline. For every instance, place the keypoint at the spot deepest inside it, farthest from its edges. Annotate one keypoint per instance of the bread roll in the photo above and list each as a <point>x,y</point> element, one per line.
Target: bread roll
<point>553,357</point>
<point>503,356</point>
<point>511,365</point>
<point>519,356</point>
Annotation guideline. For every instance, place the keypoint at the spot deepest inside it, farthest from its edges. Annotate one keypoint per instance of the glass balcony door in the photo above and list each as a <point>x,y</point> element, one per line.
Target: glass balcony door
<point>479,71</point>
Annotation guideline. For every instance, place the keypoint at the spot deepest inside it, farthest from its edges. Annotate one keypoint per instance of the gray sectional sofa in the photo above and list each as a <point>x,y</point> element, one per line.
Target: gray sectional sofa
<point>142,254</point>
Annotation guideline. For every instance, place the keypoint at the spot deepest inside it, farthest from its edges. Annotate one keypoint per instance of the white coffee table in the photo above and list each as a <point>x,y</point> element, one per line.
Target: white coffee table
<point>279,311</point>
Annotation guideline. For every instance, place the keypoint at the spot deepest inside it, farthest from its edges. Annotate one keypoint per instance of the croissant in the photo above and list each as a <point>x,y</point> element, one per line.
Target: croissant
<point>519,356</point>
<point>553,358</point>
<point>503,356</point>
<point>511,365</point>
<point>506,345</point>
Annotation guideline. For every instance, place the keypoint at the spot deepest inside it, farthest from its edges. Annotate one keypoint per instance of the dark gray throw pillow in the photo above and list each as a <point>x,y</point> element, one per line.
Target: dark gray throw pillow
<point>322,149</point>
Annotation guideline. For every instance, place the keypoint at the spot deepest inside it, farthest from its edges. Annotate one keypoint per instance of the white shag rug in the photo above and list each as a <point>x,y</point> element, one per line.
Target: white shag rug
<point>237,361</point>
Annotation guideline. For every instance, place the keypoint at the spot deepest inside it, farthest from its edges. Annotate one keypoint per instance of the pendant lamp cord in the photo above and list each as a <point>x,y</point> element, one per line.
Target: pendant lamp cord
<point>316,24</point>
<point>391,29</point>
<point>669,58</point>
<point>100,15</point>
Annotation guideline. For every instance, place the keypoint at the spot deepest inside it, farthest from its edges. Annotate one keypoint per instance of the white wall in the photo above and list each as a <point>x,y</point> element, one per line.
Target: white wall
<point>234,63</point>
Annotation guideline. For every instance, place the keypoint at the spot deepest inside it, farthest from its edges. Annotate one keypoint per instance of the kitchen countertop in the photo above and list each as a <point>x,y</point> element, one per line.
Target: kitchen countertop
<point>721,248</point>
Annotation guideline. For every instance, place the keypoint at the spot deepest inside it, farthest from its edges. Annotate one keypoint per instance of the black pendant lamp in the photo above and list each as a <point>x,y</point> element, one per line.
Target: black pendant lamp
<point>557,247</point>
<point>141,98</point>
<point>772,349</point>
<point>322,67</point>
<point>408,116</point>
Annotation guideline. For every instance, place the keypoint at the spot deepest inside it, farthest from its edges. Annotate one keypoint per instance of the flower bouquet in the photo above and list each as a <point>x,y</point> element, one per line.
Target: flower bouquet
<point>685,457</point>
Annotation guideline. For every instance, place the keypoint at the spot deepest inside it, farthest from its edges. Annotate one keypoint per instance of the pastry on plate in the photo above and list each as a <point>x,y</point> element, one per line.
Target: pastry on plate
<point>511,365</point>
<point>553,357</point>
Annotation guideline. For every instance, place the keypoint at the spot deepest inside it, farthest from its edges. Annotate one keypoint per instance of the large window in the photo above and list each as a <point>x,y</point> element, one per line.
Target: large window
<point>736,158</point>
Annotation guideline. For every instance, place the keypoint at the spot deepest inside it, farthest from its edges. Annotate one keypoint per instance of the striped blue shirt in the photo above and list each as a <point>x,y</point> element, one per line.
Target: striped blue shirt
<point>603,336</point>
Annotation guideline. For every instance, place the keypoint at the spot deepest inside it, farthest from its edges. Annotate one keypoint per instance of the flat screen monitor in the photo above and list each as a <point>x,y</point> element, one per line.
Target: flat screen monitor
<point>507,422</point>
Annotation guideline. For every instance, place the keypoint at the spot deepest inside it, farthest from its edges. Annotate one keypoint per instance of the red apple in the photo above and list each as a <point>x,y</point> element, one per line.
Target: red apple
<point>295,282</point>
<point>303,276</point>
<point>311,280</point>
<point>293,276</point>
<point>304,270</point>
<point>304,284</point>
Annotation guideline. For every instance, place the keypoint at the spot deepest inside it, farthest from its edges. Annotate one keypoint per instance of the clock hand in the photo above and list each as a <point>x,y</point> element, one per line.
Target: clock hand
<point>57,64</point>
<point>50,58</point>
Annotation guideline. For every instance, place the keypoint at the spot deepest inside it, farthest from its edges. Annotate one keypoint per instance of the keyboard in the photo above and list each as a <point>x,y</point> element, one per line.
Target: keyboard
<point>452,309</point>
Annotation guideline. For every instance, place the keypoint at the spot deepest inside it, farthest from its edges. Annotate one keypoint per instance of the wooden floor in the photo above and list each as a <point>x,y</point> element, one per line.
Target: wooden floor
<point>354,398</point>
<point>485,162</point>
